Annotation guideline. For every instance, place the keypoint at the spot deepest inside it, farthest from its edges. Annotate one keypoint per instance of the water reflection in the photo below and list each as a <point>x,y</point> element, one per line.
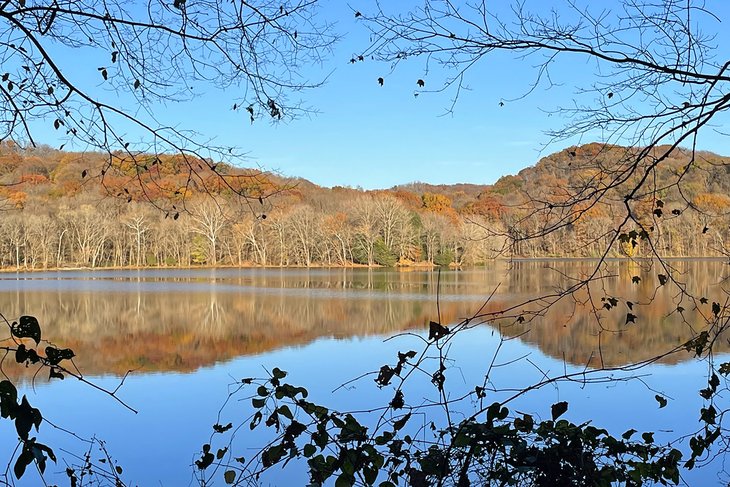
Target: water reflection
<point>180,320</point>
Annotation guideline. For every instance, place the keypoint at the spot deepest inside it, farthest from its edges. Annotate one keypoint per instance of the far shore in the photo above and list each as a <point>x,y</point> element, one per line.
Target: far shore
<point>404,267</point>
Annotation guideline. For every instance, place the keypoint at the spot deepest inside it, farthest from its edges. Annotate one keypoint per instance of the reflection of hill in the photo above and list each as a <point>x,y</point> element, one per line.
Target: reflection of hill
<point>183,330</point>
<point>182,322</point>
<point>570,332</point>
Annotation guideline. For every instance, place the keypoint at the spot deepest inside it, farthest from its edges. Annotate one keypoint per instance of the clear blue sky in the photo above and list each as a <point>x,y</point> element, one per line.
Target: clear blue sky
<point>376,137</point>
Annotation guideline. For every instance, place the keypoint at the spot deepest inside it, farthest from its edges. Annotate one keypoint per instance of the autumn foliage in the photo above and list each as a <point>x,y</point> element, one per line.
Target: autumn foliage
<point>62,210</point>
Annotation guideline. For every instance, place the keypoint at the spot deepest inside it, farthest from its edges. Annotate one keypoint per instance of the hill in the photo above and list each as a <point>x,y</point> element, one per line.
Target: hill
<point>68,209</point>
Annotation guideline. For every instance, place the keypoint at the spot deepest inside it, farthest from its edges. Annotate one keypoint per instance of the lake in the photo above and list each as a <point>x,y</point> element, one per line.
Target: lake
<point>188,335</point>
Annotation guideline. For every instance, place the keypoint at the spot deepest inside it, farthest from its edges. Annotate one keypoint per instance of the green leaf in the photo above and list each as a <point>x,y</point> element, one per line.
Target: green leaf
<point>558,409</point>
<point>28,327</point>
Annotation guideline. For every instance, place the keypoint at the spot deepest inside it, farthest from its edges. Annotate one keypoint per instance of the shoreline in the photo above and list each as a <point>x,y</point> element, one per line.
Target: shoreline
<point>405,267</point>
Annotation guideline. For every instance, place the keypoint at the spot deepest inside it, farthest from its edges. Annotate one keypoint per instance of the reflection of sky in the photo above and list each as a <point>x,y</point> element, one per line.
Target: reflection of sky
<point>157,446</point>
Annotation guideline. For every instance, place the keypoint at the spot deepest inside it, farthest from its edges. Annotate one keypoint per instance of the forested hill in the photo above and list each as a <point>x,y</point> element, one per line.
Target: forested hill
<point>68,209</point>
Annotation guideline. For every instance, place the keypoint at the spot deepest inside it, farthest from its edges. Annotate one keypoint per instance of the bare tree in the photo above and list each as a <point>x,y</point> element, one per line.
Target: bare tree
<point>657,81</point>
<point>149,53</point>
<point>209,220</point>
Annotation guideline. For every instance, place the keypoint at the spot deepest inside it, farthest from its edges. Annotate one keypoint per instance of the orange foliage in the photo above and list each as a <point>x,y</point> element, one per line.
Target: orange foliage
<point>34,179</point>
<point>437,203</point>
<point>713,203</point>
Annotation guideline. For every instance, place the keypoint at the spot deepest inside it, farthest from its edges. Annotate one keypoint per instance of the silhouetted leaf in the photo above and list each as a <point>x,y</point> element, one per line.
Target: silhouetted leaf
<point>397,402</point>
<point>222,429</point>
<point>421,83</point>
<point>635,279</point>
<point>436,331</point>
<point>661,400</point>
<point>381,81</point>
<point>662,279</point>
<point>54,373</point>
<point>558,409</point>
<point>230,476</point>
<point>630,318</point>
<point>716,308</point>
<point>26,417</point>
<point>27,327</point>
<point>8,399</point>
<point>56,355</point>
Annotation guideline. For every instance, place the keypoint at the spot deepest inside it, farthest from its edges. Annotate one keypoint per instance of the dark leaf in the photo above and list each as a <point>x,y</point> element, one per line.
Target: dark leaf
<point>558,409</point>
<point>397,402</point>
<point>54,373</point>
<point>24,459</point>
<point>56,355</point>
<point>28,327</point>
<point>635,279</point>
<point>661,400</point>
<point>398,425</point>
<point>662,279</point>
<point>222,429</point>
<point>229,476</point>
<point>421,83</point>
<point>381,81</point>
<point>630,318</point>
<point>26,418</point>
<point>436,331</point>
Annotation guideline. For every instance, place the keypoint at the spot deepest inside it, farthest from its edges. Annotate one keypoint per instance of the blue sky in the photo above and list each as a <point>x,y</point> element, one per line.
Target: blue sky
<point>376,137</point>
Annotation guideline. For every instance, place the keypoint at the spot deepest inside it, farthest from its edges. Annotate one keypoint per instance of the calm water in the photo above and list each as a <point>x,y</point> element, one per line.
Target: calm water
<point>188,334</point>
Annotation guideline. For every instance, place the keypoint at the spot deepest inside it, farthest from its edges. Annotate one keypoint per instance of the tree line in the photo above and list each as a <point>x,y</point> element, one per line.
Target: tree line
<point>52,219</point>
